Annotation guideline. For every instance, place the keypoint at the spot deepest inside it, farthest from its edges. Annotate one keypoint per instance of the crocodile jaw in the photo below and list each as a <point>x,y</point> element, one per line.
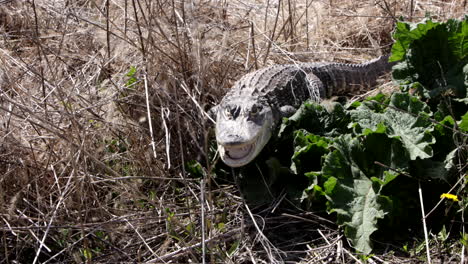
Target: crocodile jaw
<point>241,154</point>
<point>238,152</point>
<point>237,156</point>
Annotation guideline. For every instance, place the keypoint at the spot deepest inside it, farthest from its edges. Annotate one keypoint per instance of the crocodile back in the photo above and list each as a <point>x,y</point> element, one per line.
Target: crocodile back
<point>342,78</point>
<point>278,84</point>
<point>292,84</point>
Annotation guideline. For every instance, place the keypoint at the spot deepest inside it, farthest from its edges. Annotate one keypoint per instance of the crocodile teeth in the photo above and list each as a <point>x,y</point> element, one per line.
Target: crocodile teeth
<point>238,152</point>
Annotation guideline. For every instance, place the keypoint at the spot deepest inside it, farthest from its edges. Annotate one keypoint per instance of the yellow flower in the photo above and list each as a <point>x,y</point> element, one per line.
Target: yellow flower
<point>449,196</point>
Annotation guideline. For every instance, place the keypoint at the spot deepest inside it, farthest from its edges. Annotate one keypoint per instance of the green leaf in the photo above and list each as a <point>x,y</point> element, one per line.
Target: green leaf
<point>87,254</point>
<point>132,79</point>
<point>463,125</point>
<point>234,247</point>
<point>355,181</point>
<point>443,133</point>
<point>195,169</point>
<point>405,119</point>
<point>458,41</point>
<point>131,72</point>
<point>308,150</point>
<point>316,119</point>
<point>449,160</point>
<point>443,235</point>
<point>464,239</point>
<point>432,54</point>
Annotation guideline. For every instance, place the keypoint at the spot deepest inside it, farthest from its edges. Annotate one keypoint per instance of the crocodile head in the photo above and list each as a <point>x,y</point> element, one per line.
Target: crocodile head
<point>243,127</point>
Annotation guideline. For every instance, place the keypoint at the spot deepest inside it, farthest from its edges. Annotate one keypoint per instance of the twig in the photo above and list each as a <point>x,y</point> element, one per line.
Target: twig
<point>148,110</point>
<point>254,53</point>
<point>39,53</point>
<point>336,241</point>
<point>291,24</point>
<point>267,245</point>
<point>54,213</point>
<point>424,223</point>
<point>307,25</point>
<point>449,191</point>
<point>463,245</point>
<point>202,207</point>
<point>351,255</point>
<point>140,34</point>
<point>142,238</point>
<point>463,234</point>
<point>102,27</point>
<point>229,235</point>
<point>114,179</point>
<point>57,131</point>
<point>411,10</point>
<point>266,15</point>
<point>339,252</point>
<point>392,169</point>
<point>272,37</point>
<point>9,227</point>
<point>108,40</point>
<point>184,86</point>
<point>165,114</point>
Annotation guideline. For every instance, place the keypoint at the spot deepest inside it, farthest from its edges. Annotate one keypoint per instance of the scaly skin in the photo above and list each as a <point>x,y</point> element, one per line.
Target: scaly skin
<point>251,111</point>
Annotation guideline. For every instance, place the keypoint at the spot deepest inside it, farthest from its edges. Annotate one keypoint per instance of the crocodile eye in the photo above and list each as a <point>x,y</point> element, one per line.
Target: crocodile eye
<point>227,112</point>
<point>255,110</point>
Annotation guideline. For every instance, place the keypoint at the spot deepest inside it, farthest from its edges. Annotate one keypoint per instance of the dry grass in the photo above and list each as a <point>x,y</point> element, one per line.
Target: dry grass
<point>85,177</point>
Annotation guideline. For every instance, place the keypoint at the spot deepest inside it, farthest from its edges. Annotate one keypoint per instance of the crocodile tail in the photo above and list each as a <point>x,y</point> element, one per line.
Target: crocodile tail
<point>356,78</point>
<point>382,63</point>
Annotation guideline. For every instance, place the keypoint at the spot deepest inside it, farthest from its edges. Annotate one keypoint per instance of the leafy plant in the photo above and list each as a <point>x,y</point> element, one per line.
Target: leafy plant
<point>357,166</point>
<point>132,80</point>
<point>433,57</point>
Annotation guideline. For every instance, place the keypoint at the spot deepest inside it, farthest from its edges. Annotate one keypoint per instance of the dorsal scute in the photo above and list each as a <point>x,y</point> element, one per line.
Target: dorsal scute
<point>275,83</point>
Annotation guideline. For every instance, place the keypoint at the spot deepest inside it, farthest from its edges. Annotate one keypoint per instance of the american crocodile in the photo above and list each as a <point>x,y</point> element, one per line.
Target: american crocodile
<point>252,110</point>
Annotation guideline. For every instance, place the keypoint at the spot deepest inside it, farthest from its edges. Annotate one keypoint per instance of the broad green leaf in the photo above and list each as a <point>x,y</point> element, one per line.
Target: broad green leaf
<point>457,41</point>
<point>405,119</point>
<point>317,119</point>
<point>443,133</point>
<point>355,181</point>
<point>432,54</point>
<point>308,150</point>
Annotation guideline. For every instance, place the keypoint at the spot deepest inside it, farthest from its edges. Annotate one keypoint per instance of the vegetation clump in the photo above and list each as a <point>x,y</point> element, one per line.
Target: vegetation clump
<point>369,158</point>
